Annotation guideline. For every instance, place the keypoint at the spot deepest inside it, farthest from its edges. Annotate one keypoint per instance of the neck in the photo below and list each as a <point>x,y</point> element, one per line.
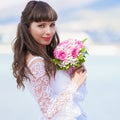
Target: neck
<point>43,48</point>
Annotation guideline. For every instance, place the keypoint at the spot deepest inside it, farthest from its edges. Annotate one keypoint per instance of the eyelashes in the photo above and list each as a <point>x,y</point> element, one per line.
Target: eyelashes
<point>43,25</point>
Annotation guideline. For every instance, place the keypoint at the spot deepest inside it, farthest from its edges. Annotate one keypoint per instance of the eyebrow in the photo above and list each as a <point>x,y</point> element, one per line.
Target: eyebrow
<point>46,22</point>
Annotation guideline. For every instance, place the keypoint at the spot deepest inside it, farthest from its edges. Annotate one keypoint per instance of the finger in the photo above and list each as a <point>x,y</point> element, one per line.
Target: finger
<point>80,70</point>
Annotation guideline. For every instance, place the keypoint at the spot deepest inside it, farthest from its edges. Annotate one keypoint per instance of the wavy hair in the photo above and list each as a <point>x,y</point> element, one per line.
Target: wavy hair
<point>23,43</point>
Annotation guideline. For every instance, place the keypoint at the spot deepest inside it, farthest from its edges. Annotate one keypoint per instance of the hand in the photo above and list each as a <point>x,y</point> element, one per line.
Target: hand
<point>79,76</point>
<point>81,68</point>
<point>73,69</point>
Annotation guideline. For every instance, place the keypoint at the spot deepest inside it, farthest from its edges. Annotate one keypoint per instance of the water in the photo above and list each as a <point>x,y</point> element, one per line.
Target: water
<point>103,98</point>
<point>101,103</point>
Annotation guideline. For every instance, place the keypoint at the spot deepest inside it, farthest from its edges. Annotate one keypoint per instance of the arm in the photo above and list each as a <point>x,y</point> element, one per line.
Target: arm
<point>49,104</point>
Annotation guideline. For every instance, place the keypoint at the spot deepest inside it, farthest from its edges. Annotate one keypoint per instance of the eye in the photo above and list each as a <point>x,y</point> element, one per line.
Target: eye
<point>52,25</point>
<point>41,25</point>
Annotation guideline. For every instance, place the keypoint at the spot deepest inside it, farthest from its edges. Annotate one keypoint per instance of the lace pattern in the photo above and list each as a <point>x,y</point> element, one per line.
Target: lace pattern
<point>39,85</point>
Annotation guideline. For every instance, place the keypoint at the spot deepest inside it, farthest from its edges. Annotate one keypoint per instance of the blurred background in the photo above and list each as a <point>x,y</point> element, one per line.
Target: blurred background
<point>96,20</point>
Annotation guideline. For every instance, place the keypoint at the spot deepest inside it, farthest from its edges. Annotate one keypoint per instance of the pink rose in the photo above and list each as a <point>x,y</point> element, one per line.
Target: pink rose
<point>79,44</point>
<point>63,43</point>
<point>75,52</point>
<point>61,55</point>
<point>56,53</point>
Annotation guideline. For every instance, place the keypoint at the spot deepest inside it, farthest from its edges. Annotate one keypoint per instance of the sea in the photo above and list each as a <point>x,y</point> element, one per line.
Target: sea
<point>101,103</point>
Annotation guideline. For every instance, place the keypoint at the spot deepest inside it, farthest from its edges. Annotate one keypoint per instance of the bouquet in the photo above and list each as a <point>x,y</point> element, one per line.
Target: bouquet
<point>70,53</point>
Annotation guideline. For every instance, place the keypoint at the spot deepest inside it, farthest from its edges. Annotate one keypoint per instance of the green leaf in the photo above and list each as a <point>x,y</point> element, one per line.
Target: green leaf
<point>56,61</point>
<point>80,57</point>
<point>83,41</point>
<point>82,50</point>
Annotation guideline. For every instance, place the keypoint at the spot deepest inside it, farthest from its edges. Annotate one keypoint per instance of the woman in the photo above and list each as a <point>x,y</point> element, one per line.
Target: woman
<point>53,90</point>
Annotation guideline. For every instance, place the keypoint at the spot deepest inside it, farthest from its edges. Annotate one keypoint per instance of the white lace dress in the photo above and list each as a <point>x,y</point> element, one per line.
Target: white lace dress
<point>57,98</point>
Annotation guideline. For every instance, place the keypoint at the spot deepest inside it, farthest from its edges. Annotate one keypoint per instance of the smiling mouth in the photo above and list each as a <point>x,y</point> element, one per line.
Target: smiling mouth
<point>47,38</point>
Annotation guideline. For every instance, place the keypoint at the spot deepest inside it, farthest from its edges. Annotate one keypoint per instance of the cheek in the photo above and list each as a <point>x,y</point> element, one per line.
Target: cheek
<point>53,31</point>
<point>36,33</point>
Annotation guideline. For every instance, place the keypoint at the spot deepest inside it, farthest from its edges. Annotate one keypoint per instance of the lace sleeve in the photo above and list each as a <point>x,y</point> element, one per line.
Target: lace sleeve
<point>40,87</point>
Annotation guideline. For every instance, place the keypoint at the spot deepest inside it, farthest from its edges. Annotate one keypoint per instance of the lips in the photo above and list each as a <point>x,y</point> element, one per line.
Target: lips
<point>47,38</point>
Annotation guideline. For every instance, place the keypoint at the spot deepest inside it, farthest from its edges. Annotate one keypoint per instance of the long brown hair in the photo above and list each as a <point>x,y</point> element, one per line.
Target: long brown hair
<point>34,11</point>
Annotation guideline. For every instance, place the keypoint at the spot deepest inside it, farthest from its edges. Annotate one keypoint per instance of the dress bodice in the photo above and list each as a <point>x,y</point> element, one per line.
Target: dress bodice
<point>57,98</point>
<point>62,79</point>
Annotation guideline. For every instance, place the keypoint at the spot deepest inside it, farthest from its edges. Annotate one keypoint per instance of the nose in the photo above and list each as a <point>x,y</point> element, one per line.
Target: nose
<point>48,30</point>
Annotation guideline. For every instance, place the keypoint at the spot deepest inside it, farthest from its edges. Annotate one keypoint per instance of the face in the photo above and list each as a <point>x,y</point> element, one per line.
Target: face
<point>42,32</point>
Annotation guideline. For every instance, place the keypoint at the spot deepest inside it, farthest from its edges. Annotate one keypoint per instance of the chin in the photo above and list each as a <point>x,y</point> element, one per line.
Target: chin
<point>48,43</point>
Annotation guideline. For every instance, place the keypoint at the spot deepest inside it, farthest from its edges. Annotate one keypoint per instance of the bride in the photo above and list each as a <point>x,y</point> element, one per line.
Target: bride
<point>57,93</point>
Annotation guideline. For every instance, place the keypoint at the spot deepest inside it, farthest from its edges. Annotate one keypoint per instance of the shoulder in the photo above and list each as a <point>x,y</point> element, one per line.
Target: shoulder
<point>31,59</point>
<point>35,65</point>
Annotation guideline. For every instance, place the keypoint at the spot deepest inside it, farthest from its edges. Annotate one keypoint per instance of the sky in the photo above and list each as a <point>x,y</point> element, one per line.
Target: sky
<point>96,4</point>
<point>79,15</point>
<point>12,9</point>
<point>67,4</point>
